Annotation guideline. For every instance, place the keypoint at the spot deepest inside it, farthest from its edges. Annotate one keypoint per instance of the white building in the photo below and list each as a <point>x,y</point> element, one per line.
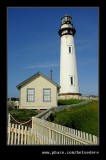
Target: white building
<point>68,66</point>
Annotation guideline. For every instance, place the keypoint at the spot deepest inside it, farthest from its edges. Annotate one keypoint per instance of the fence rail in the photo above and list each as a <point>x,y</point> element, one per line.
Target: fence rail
<point>59,134</point>
<point>61,107</point>
<point>47,133</point>
<point>44,115</point>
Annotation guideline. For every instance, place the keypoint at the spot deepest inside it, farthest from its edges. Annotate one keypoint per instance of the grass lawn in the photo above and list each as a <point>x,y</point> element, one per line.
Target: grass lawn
<point>83,118</point>
<point>69,101</point>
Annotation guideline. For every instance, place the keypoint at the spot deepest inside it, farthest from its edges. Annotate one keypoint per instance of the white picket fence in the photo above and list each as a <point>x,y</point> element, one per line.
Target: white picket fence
<point>18,134</point>
<point>47,133</point>
<point>61,135</point>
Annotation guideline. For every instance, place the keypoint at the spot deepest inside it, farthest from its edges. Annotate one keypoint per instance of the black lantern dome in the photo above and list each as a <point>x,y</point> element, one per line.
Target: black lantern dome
<point>66,26</point>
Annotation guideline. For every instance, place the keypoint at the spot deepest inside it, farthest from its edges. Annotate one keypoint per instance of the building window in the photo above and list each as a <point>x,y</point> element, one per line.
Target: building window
<point>72,80</point>
<point>30,95</point>
<point>70,49</point>
<point>47,95</point>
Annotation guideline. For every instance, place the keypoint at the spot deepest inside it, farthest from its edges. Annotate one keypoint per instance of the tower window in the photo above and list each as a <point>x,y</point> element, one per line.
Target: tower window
<point>72,80</point>
<point>70,49</point>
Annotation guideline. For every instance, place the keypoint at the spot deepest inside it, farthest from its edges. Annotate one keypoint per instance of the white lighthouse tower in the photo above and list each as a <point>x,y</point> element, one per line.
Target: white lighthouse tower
<point>68,66</point>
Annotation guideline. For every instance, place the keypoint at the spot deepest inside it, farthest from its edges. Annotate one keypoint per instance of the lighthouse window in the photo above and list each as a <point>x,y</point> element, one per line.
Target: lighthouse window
<point>63,20</point>
<point>68,18</point>
<point>72,80</point>
<point>70,49</point>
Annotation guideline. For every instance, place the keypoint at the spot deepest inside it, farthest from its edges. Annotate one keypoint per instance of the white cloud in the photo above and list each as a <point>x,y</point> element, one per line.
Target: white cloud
<point>42,66</point>
<point>87,61</point>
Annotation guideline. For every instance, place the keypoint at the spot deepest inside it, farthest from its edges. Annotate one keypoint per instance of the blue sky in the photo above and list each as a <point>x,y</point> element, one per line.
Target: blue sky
<point>33,45</point>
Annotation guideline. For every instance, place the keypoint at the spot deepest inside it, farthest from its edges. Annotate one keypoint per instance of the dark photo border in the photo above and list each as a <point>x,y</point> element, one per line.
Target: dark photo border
<point>36,151</point>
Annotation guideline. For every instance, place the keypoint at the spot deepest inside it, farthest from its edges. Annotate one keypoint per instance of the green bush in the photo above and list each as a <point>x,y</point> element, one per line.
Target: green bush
<point>51,117</point>
<point>22,115</point>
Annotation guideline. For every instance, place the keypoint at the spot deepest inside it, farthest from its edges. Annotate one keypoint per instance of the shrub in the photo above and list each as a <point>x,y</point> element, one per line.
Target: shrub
<point>22,115</point>
<point>50,118</point>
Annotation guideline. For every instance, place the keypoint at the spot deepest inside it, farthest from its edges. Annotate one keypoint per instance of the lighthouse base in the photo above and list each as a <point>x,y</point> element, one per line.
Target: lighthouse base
<point>69,96</point>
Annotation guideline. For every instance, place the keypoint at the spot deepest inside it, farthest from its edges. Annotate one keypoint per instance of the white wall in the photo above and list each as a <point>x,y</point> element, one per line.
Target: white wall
<point>39,83</point>
<point>68,65</point>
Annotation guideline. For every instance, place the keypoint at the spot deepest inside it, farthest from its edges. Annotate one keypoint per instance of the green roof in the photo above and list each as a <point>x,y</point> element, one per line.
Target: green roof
<point>35,76</point>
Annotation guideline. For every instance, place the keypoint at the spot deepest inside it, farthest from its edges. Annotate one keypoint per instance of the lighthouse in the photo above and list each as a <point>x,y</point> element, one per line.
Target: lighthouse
<point>68,65</point>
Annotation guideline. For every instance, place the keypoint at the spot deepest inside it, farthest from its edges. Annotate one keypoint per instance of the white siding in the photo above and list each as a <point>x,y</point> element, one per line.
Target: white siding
<point>39,84</point>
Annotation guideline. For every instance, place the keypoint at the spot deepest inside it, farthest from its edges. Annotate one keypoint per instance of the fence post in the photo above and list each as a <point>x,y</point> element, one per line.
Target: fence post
<point>50,131</point>
<point>32,122</point>
<point>8,119</point>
